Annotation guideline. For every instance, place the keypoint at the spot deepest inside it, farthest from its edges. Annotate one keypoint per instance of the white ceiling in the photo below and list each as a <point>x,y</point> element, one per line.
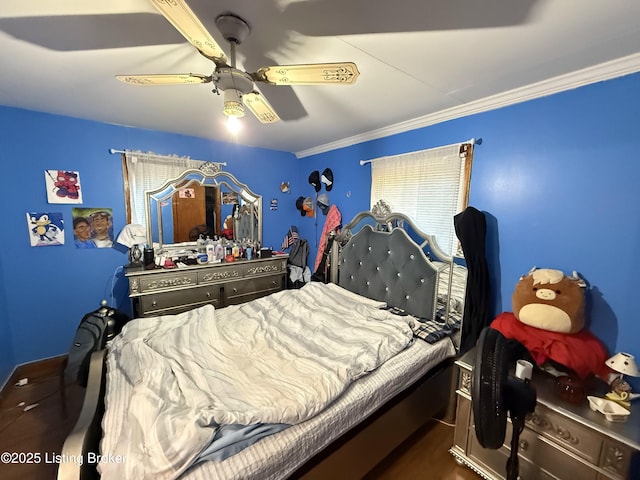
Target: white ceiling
<point>420,61</point>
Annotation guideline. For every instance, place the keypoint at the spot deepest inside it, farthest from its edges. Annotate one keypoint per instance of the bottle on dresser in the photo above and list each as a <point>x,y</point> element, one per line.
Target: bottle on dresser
<point>210,250</point>
<point>201,244</point>
<point>220,250</point>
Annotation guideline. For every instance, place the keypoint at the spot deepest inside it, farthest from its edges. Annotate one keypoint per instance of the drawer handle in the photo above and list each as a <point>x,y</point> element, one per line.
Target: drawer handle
<point>565,435</point>
<point>235,290</point>
<point>523,445</point>
<point>208,294</point>
<point>273,282</point>
<point>154,304</point>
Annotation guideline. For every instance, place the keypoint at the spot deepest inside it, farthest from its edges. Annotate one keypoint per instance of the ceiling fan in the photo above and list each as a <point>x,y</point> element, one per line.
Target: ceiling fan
<point>237,85</point>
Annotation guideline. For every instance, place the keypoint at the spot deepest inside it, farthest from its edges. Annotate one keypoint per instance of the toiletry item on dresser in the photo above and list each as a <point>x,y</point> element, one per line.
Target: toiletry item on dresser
<point>148,259</point>
<point>219,251</point>
<point>210,250</point>
<point>201,245</point>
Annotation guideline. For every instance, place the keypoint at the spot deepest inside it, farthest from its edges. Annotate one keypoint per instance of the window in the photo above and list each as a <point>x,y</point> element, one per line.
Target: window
<point>430,186</point>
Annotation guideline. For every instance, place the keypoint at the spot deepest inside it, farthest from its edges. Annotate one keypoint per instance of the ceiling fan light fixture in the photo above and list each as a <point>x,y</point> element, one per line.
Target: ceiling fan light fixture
<point>234,125</point>
<point>233,106</point>
<point>238,86</point>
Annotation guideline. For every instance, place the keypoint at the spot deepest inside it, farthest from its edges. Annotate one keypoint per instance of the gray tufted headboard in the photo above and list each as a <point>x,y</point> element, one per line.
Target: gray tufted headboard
<point>389,259</point>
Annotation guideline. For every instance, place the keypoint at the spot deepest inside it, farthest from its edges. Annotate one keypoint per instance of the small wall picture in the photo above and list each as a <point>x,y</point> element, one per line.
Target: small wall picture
<point>187,193</point>
<point>92,227</point>
<point>45,229</point>
<point>229,198</point>
<point>63,186</point>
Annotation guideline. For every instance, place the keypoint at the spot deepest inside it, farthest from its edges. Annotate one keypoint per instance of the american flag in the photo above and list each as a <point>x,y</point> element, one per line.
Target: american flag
<point>291,237</point>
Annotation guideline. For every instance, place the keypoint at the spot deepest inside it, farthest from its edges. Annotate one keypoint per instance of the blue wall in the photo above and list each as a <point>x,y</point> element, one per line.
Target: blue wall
<point>557,178</point>
<point>46,290</point>
<point>7,360</point>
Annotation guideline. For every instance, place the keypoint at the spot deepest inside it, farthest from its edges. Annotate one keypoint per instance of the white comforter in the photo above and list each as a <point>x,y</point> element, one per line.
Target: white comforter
<point>278,359</point>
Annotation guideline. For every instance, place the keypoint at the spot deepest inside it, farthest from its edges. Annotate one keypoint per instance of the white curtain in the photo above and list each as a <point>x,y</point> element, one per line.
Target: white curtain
<point>147,172</point>
<point>428,186</point>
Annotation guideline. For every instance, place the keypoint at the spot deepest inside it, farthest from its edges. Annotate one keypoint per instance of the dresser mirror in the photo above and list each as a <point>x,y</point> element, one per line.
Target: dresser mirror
<point>196,202</point>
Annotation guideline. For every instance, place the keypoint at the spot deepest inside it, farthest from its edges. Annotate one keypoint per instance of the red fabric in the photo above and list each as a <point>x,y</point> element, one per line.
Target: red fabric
<point>582,352</point>
<point>333,221</point>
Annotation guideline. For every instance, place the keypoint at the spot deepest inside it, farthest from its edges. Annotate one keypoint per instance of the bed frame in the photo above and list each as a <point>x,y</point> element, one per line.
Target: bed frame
<point>380,255</point>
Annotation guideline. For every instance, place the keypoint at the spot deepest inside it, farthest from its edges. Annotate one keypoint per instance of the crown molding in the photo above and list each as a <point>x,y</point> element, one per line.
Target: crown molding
<point>597,73</point>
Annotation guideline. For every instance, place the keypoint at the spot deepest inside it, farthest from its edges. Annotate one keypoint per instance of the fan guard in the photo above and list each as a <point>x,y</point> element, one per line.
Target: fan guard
<point>496,393</point>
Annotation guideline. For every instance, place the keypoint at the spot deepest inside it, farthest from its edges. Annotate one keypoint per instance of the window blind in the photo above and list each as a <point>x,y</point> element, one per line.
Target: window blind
<point>429,186</point>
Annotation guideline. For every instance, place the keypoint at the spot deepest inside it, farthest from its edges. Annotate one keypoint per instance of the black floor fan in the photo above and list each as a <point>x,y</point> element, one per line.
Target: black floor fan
<point>500,386</point>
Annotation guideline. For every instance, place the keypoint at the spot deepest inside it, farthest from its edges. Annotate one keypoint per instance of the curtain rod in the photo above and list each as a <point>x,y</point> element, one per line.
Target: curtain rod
<point>167,157</point>
<point>472,141</point>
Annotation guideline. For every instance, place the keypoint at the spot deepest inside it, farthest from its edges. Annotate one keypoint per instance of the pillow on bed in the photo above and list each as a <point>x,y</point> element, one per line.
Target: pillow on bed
<point>431,331</point>
<point>428,330</point>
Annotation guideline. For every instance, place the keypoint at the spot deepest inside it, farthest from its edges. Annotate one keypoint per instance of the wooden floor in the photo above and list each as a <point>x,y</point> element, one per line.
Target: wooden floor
<point>38,434</point>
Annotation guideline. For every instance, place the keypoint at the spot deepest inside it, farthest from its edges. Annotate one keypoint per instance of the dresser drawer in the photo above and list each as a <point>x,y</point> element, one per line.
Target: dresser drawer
<point>237,292</point>
<point>183,299</point>
<point>150,283</point>
<point>277,265</point>
<point>229,272</point>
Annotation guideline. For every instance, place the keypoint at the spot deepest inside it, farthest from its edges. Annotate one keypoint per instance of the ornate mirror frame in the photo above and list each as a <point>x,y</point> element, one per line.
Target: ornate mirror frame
<point>154,199</point>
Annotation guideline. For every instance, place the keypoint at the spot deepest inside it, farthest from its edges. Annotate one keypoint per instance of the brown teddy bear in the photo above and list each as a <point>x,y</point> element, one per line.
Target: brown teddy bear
<point>550,300</point>
<point>548,318</point>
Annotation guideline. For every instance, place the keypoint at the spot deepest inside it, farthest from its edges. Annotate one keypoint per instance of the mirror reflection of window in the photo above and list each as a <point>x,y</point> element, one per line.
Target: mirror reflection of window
<point>196,203</point>
<point>143,172</point>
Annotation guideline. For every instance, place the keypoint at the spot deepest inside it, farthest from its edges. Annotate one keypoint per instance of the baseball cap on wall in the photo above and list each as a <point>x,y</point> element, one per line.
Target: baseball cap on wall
<point>314,179</point>
<point>323,203</point>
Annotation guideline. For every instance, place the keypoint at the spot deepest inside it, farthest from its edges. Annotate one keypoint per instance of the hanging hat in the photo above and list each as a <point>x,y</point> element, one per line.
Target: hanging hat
<point>299,203</point>
<point>307,206</point>
<point>323,203</point>
<point>327,179</point>
<point>314,179</point>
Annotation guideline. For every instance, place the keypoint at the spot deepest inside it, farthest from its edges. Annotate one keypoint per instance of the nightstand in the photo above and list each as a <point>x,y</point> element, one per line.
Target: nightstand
<point>561,440</point>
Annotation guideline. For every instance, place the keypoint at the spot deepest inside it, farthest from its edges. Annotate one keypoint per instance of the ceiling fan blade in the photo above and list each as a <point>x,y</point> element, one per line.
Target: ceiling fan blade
<point>259,106</point>
<point>164,79</point>
<point>185,21</point>
<point>309,74</point>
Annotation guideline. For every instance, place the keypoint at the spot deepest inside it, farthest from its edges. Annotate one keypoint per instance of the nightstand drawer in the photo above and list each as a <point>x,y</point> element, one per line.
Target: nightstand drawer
<point>563,431</point>
<point>550,458</point>
<point>494,462</point>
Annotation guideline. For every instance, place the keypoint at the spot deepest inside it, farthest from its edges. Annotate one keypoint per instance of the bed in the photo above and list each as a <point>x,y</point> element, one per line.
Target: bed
<point>392,298</point>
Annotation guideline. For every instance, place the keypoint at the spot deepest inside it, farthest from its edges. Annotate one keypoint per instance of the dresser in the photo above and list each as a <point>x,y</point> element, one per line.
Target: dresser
<point>561,440</point>
<point>162,291</point>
